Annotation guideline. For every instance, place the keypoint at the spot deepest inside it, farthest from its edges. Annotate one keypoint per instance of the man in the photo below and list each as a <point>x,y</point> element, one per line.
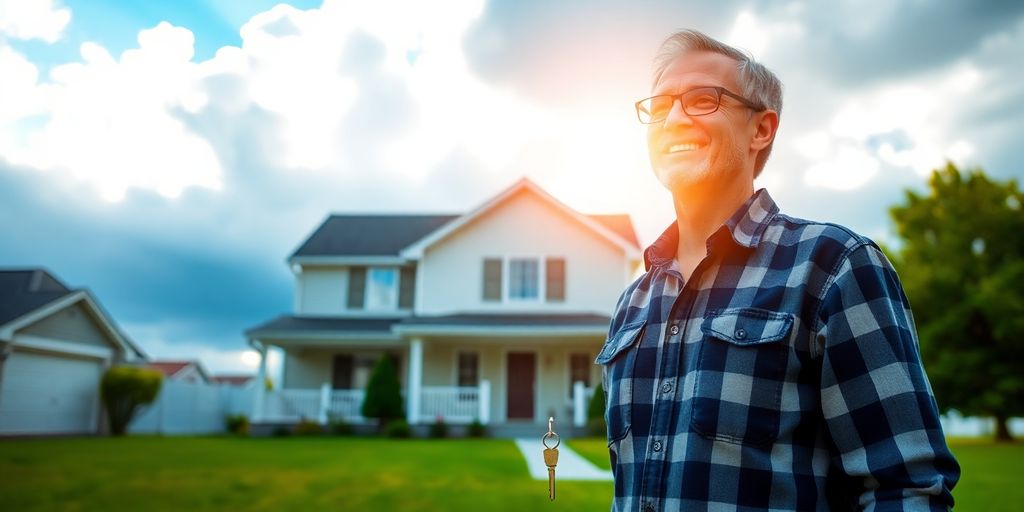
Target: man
<point>762,361</point>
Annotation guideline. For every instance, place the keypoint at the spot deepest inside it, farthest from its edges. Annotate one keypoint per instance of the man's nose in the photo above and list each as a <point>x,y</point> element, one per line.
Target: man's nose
<point>676,114</point>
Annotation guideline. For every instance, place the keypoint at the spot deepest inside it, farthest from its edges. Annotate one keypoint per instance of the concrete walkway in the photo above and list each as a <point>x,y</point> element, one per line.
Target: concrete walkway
<point>571,466</point>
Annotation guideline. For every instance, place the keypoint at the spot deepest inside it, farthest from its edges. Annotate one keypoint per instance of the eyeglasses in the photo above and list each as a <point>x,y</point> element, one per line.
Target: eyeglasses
<point>696,102</point>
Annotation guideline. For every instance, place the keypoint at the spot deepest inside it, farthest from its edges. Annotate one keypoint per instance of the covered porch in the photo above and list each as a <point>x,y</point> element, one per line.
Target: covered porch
<point>495,369</point>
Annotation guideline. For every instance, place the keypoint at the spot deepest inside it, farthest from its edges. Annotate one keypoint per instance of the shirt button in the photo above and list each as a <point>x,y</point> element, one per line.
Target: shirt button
<point>666,387</point>
<point>657,446</point>
<point>674,330</point>
<point>740,334</point>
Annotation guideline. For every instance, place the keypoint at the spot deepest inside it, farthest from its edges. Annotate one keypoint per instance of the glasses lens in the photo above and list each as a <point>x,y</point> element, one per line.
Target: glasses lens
<point>700,101</point>
<point>655,109</point>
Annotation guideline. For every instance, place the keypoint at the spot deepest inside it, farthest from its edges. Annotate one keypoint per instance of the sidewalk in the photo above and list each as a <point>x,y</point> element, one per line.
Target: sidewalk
<point>571,466</point>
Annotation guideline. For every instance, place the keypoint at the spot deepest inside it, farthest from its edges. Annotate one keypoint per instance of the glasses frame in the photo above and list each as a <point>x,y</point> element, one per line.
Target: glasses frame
<point>721,91</point>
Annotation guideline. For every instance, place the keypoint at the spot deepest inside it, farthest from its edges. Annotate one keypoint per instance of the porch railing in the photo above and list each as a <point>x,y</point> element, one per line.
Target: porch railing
<point>453,404</point>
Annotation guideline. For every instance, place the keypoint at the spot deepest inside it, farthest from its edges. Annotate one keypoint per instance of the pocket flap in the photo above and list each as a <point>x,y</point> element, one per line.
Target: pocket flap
<point>620,341</point>
<point>747,326</point>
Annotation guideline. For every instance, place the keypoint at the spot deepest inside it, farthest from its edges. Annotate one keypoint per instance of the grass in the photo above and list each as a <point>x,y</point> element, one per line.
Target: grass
<point>195,474</point>
<point>214,473</point>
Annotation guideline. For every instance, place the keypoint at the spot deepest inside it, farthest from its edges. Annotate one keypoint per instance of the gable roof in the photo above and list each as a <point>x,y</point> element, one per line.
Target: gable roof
<point>401,236</point>
<point>30,294</point>
<point>24,291</point>
<point>172,368</point>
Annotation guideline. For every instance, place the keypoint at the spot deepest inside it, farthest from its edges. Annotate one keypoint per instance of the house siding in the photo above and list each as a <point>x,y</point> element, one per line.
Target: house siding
<point>525,225</point>
<point>74,324</point>
<point>323,291</point>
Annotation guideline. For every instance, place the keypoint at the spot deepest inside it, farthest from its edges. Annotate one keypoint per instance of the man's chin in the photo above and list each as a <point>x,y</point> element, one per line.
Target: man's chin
<point>680,180</point>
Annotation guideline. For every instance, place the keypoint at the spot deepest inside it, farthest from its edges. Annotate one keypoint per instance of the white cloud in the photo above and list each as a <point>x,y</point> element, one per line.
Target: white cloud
<point>33,19</point>
<point>850,168</point>
<point>755,35</point>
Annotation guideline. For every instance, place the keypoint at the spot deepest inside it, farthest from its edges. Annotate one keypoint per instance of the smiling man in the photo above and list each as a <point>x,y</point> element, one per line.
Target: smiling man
<point>761,361</point>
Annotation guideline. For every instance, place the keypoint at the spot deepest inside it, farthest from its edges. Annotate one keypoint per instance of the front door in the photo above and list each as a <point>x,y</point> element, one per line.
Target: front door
<point>520,383</point>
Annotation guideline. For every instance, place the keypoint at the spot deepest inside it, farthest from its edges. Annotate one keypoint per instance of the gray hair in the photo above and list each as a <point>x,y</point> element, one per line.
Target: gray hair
<point>757,83</point>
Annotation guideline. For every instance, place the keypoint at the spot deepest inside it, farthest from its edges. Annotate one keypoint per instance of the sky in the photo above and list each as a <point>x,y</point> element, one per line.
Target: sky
<point>169,156</point>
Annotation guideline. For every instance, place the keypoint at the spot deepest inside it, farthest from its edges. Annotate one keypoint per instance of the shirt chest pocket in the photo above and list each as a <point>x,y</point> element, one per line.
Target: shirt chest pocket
<point>741,368</point>
<point>619,358</point>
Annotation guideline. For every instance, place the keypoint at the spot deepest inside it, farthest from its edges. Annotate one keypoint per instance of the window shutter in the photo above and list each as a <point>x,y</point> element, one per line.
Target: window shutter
<point>406,287</point>
<point>356,287</point>
<point>492,279</point>
<point>555,282</point>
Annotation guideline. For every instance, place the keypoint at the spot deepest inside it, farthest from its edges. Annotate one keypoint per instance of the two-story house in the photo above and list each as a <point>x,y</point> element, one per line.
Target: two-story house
<point>495,314</point>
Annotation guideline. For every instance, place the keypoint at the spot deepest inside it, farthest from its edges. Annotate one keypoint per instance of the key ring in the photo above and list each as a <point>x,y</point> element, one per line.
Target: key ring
<point>551,433</point>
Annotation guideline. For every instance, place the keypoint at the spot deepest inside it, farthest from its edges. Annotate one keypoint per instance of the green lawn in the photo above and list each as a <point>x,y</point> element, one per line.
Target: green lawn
<point>195,474</point>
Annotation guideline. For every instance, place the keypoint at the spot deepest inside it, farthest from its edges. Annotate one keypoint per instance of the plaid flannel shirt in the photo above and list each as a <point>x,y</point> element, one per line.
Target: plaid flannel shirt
<point>784,375</point>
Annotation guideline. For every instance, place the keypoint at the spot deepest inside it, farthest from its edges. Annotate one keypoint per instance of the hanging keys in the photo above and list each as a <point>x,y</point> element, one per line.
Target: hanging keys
<point>551,457</point>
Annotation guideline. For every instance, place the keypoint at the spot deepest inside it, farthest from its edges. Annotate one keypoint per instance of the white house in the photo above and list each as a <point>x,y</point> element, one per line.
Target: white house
<point>55,343</point>
<point>190,370</point>
<point>495,314</point>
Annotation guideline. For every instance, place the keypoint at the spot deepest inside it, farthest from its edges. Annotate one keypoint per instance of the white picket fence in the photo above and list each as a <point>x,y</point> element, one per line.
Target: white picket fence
<point>193,408</point>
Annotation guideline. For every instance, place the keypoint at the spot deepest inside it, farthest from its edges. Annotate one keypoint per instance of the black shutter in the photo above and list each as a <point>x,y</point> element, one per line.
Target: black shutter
<point>492,279</point>
<point>356,287</point>
<point>406,287</point>
<point>555,279</point>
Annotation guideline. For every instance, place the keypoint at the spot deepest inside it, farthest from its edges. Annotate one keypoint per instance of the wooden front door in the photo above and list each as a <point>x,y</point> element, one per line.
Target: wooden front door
<point>520,383</point>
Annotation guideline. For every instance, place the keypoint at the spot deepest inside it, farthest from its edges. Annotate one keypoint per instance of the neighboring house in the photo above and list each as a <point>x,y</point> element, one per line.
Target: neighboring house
<point>181,371</point>
<point>495,314</point>
<point>232,380</point>
<point>55,343</point>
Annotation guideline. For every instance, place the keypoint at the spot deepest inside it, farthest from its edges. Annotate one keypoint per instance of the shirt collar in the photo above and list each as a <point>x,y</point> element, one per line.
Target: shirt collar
<point>746,225</point>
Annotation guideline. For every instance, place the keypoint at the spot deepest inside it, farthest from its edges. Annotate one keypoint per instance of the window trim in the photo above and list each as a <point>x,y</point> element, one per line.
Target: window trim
<point>507,279</point>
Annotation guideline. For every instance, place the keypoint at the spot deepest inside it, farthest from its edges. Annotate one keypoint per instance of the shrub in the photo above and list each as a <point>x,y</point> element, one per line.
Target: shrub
<point>595,413</point>
<point>383,398</point>
<point>237,424</point>
<point>476,429</point>
<point>123,390</point>
<point>281,431</point>
<point>307,427</point>
<point>439,429</point>
<point>398,428</point>
<point>338,426</point>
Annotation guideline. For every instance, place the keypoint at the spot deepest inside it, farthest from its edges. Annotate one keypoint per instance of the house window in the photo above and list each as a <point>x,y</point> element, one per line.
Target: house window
<point>579,370</point>
<point>356,287</point>
<point>382,288</point>
<point>469,375</point>
<point>523,279</point>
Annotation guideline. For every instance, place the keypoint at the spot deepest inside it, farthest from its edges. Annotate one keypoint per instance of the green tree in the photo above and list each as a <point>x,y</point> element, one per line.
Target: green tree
<point>595,412</point>
<point>961,261</point>
<point>383,393</point>
<point>123,390</point>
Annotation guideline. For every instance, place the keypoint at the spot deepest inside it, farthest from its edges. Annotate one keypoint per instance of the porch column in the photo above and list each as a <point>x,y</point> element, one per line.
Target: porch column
<point>415,380</point>
<point>579,409</point>
<point>261,383</point>
<point>485,402</point>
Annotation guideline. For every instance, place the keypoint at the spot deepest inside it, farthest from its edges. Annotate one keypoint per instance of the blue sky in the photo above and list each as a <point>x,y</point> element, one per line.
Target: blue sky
<point>170,155</point>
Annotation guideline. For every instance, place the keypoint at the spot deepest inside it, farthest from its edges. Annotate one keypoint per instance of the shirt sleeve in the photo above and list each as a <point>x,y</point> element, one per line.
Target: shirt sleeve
<point>876,400</point>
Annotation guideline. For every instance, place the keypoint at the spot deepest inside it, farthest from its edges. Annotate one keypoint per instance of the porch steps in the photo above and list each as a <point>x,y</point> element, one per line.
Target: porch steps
<point>571,466</point>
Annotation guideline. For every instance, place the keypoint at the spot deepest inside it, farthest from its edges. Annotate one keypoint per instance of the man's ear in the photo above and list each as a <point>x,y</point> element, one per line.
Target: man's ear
<point>766,124</point>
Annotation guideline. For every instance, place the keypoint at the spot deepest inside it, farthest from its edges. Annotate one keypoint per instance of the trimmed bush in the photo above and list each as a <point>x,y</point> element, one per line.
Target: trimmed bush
<point>476,429</point>
<point>398,429</point>
<point>383,398</point>
<point>281,431</point>
<point>125,389</point>
<point>337,425</point>
<point>307,427</point>
<point>439,429</point>
<point>237,424</point>
<point>595,413</point>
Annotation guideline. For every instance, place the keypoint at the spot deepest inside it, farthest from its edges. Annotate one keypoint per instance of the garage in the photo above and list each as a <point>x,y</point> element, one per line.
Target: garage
<point>49,394</point>
<point>55,344</point>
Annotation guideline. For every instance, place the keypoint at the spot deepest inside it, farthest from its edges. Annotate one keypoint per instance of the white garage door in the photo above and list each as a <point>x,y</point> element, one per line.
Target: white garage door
<point>49,394</point>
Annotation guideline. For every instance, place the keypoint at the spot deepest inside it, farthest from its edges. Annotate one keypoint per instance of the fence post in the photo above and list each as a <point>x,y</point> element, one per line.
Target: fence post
<point>485,402</point>
<point>579,411</point>
<point>325,402</point>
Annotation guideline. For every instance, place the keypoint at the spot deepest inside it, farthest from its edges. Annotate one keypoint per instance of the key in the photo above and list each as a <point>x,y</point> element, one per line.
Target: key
<point>551,457</point>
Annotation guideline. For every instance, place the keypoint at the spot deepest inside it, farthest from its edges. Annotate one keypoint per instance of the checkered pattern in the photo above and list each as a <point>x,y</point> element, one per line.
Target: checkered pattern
<point>784,376</point>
